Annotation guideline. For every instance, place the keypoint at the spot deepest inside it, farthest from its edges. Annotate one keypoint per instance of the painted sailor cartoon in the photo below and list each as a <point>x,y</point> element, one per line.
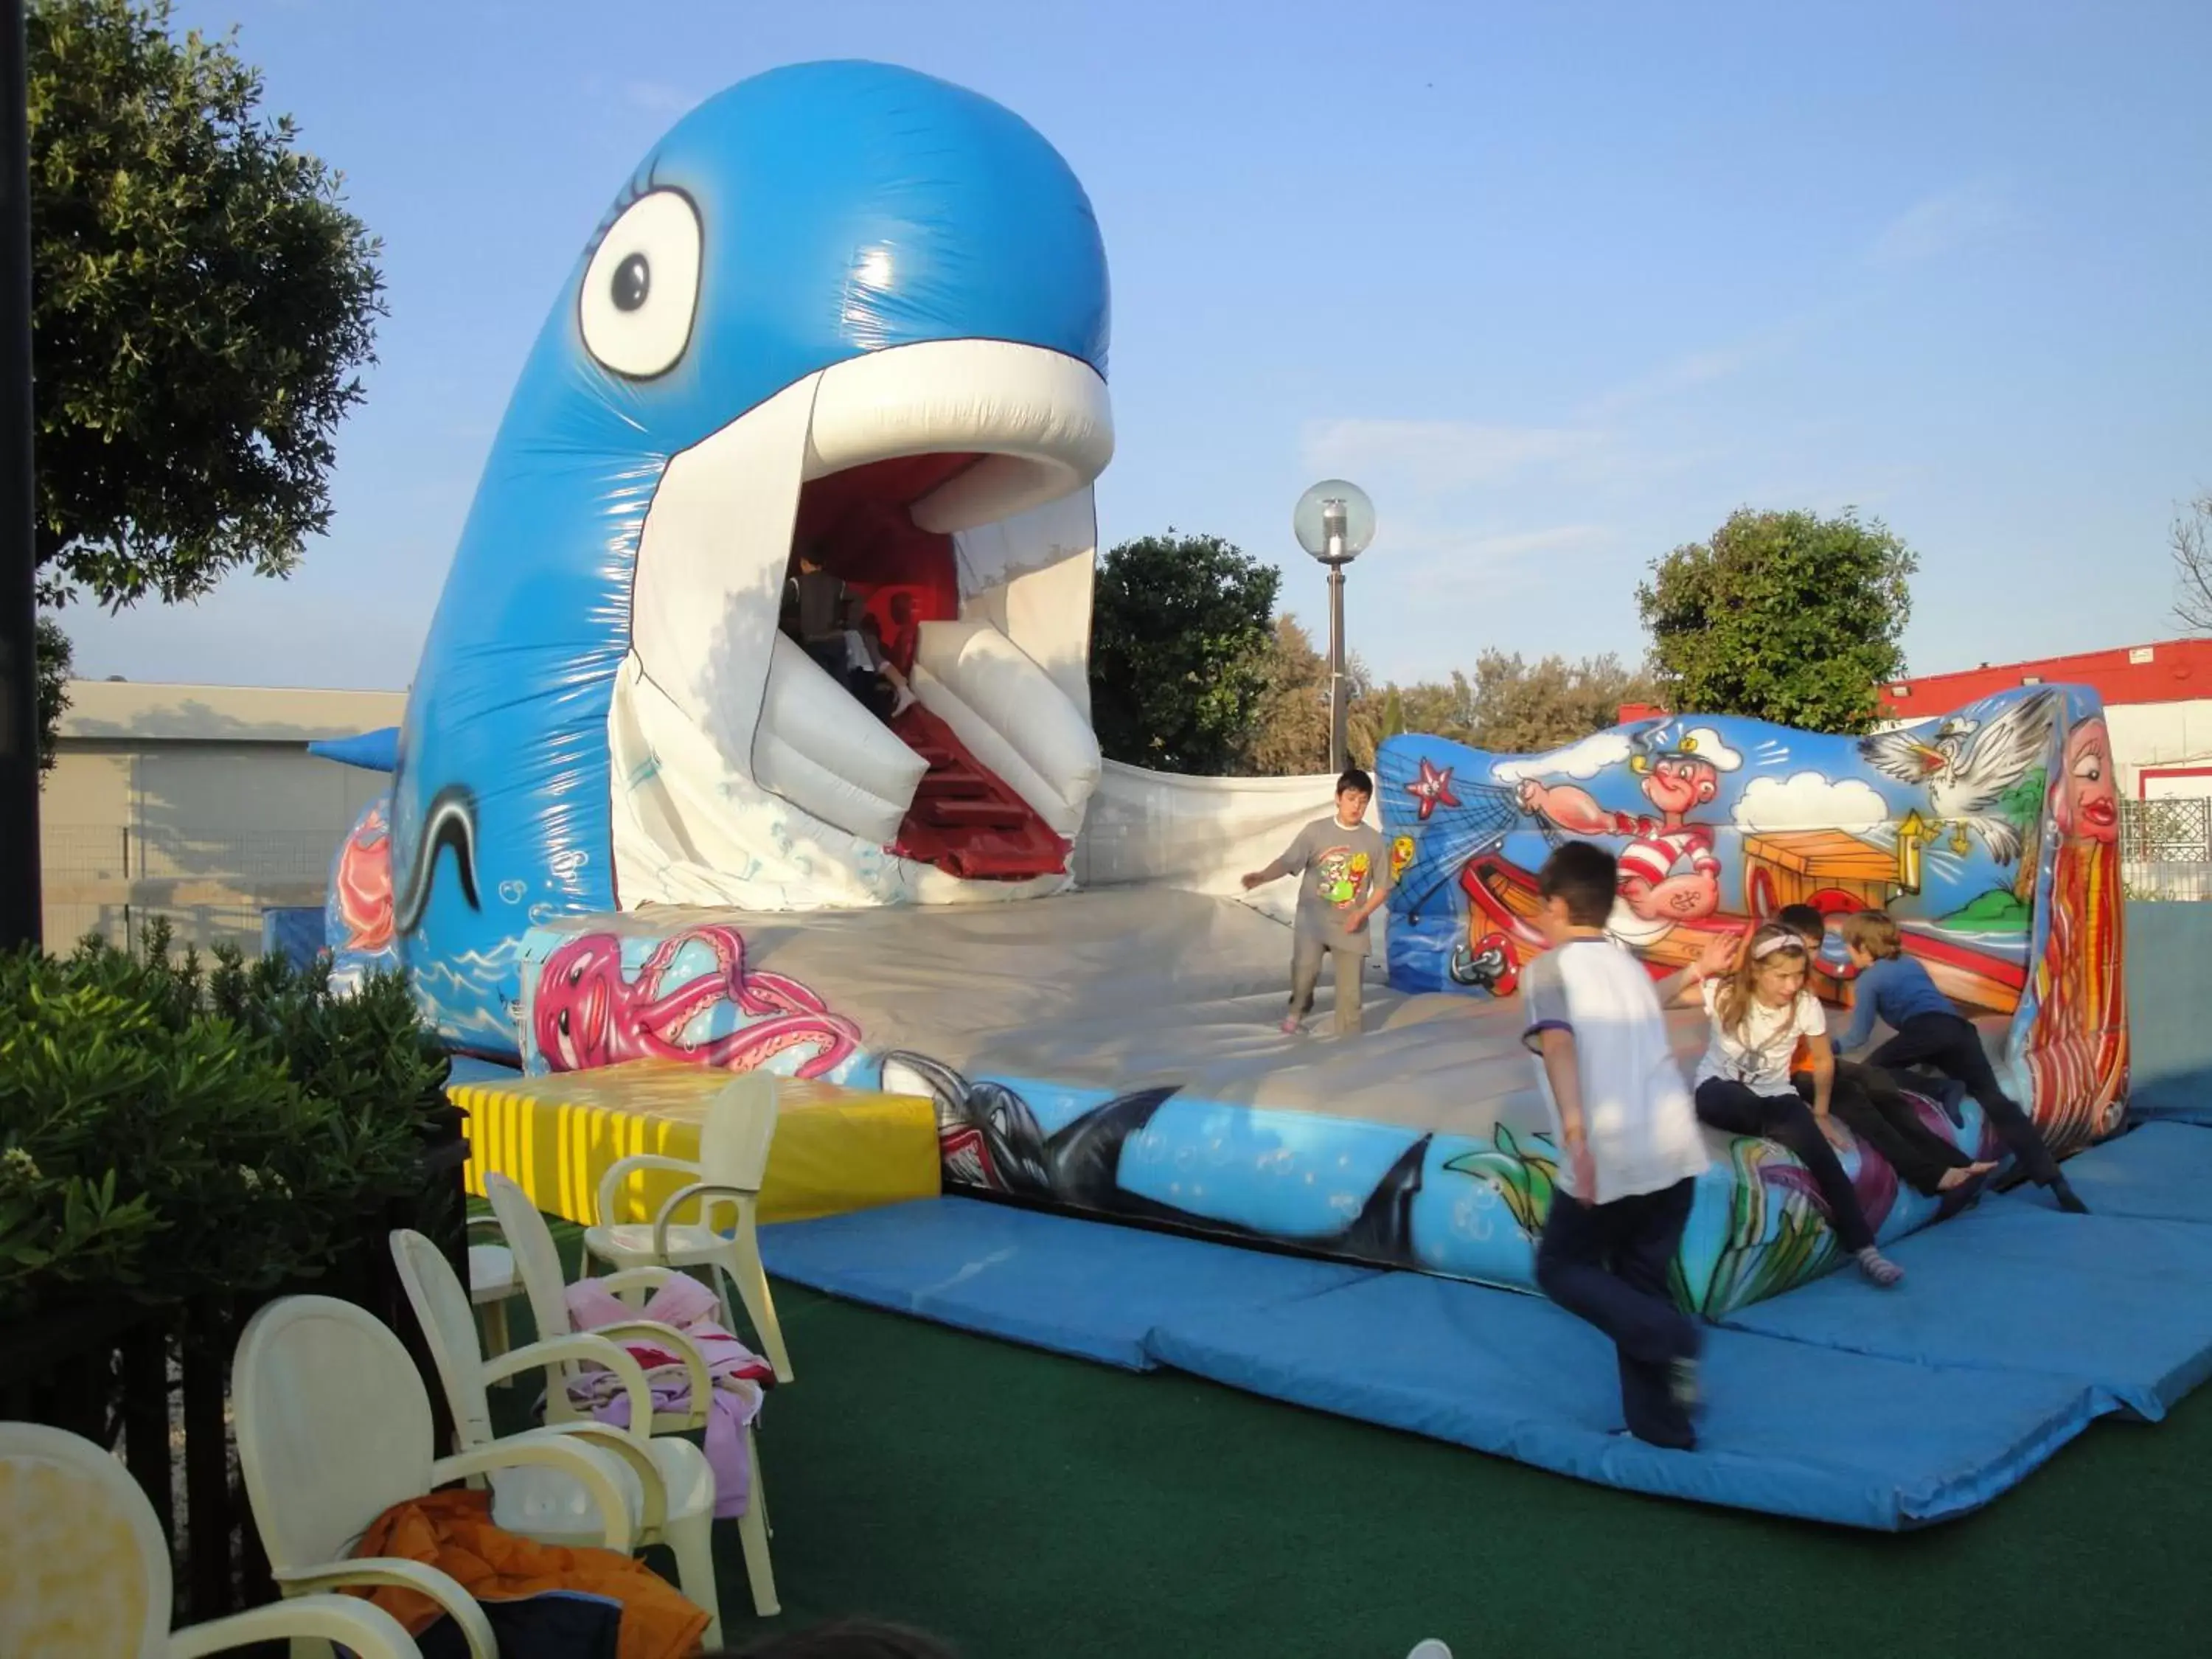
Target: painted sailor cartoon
<point>1669,872</point>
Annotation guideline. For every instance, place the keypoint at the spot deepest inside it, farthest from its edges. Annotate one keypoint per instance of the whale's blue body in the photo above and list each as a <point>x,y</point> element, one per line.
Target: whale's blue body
<point>500,797</point>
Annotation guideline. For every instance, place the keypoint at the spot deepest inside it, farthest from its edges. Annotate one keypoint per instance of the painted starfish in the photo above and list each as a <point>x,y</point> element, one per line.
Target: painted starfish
<point>1432,789</point>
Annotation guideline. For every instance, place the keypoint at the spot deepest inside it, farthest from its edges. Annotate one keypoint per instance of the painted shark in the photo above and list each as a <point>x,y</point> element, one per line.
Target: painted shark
<point>991,1141</point>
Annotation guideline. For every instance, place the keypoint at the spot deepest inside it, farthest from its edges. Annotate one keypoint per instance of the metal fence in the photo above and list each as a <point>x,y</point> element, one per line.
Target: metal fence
<point>2165,848</point>
<point>112,879</point>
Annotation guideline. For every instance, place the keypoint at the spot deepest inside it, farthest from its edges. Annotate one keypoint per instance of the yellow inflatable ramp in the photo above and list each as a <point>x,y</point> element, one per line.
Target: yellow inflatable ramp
<point>835,1149</point>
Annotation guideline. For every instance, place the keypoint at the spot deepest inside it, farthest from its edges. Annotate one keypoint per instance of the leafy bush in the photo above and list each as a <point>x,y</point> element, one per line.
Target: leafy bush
<point>171,1132</point>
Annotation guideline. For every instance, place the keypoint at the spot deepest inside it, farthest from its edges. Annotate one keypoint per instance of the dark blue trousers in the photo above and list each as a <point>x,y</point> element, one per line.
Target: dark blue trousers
<point>1607,1263</point>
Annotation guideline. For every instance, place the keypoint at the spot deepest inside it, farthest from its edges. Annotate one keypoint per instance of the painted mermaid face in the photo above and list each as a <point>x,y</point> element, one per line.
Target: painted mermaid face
<point>2088,807</point>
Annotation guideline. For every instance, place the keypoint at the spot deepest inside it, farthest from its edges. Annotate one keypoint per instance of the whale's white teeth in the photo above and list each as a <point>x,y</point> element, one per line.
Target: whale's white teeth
<point>1008,714</point>
<point>826,755</point>
<point>718,708</point>
<point>1030,577</point>
<point>710,564</point>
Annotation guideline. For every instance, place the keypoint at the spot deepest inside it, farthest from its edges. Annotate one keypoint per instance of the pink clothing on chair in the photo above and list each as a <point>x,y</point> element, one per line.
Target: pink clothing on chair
<point>738,1374</point>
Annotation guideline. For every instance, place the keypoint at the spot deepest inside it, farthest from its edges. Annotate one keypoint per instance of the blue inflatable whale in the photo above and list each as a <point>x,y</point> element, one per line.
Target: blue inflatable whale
<point>840,301</point>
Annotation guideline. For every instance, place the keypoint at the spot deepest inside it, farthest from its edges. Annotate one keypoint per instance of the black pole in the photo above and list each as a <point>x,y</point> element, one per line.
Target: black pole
<point>19,658</point>
<point>1340,755</point>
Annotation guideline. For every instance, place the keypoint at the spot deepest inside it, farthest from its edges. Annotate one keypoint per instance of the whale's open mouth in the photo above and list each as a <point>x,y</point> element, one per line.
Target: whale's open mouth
<point>947,487</point>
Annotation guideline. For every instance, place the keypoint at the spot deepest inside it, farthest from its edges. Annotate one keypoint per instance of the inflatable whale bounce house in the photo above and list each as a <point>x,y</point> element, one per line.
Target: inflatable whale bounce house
<point>850,313</point>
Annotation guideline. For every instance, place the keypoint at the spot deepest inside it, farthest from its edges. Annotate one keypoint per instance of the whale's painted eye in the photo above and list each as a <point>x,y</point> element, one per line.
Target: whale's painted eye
<point>641,288</point>
<point>633,282</point>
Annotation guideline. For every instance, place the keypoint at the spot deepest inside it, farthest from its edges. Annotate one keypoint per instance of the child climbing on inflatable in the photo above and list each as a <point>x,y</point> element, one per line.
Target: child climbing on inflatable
<point>1930,1030</point>
<point>821,616</point>
<point>1633,1152</point>
<point>1759,1014</point>
<point>1874,1109</point>
<point>1343,879</point>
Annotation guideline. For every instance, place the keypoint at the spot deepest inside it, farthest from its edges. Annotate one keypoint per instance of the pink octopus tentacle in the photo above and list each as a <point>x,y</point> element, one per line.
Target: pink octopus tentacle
<point>772,993</point>
<point>831,1038</point>
<point>665,1017</point>
<point>649,972</point>
<point>591,1013</point>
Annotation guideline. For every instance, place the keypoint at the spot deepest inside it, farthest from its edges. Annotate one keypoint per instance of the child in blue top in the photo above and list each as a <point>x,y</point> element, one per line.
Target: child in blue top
<point>1929,1031</point>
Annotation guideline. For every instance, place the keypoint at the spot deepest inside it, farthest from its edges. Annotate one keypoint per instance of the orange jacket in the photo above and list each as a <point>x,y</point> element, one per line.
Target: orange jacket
<point>451,1531</point>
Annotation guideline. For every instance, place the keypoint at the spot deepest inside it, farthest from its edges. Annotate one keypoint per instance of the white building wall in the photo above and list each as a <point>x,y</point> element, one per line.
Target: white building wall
<point>197,803</point>
<point>2154,735</point>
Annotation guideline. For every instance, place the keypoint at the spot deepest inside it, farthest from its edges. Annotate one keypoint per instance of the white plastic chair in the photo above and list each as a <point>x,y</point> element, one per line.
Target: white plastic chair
<point>541,1283</point>
<point>538,1259</point>
<point>491,1284</point>
<point>734,1146</point>
<point>668,1486</point>
<point>86,1569</point>
<point>334,1428</point>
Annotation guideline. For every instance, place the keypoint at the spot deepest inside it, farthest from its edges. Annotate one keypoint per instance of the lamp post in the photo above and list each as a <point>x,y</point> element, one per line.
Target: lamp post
<point>1334,521</point>
<point>19,664</point>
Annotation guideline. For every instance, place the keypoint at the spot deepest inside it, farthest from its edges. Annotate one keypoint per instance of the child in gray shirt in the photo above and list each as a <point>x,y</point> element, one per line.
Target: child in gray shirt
<point>1345,879</point>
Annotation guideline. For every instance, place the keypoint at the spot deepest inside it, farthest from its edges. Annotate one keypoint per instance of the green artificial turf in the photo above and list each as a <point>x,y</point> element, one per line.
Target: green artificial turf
<point>1020,1505</point>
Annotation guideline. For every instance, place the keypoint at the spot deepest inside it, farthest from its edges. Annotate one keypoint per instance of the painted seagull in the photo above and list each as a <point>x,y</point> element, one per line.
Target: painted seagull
<point>1968,766</point>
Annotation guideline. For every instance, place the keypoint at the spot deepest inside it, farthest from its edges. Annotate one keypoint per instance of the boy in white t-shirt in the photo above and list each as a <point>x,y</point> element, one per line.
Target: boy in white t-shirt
<point>1633,1151</point>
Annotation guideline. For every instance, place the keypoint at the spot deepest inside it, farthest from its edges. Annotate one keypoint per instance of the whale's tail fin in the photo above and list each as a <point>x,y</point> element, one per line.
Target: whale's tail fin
<point>450,821</point>
<point>373,751</point>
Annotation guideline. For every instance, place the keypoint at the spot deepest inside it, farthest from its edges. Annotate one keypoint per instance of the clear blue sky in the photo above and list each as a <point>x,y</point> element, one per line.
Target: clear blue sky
<point>1562,284</point>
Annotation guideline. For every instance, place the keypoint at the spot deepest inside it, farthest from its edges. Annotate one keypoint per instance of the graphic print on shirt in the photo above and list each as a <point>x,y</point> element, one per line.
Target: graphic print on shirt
<point>1340,877</point>
<point>1757,1050</point>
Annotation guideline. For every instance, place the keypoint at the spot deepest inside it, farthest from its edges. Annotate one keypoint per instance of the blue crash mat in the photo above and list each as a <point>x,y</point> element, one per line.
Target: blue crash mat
<point>1788,1428</point>
<point>2162,1172</point>
<point>1085,1288</point>
<point>2117,1304</point>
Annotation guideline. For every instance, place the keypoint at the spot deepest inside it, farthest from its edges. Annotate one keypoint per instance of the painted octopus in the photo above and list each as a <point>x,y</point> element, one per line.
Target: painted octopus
<point>588,1013</point>
<point>364,884</point>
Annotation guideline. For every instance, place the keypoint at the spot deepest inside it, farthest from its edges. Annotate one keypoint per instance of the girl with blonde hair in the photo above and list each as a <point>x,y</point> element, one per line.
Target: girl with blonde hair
<point>1759,1013</point>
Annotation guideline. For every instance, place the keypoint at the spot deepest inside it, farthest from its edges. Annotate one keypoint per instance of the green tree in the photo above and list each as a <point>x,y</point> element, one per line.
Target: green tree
<point>202,304</point>
<point>1440,709</point>
<point>1289,733</point>
<point>1523,707</point>
<point>1180,642</point>
<point>1783,616</point>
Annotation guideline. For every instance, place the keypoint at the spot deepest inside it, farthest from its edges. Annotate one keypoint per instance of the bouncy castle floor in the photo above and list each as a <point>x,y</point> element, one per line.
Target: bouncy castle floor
<point>1117,1053</point>
<point>2015,1326</point>
<point>1124,988</point>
